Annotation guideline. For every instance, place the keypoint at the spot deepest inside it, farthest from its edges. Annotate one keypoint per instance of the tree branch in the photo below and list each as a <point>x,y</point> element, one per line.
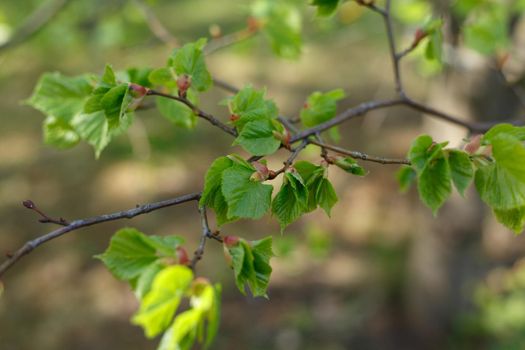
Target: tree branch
<point>206,234</point>
<point>29,246</point>
<point>360,155</point>
<point>155,25</point>
<point>35,22</point>
<point>350,113</point>
<point>198,112</point>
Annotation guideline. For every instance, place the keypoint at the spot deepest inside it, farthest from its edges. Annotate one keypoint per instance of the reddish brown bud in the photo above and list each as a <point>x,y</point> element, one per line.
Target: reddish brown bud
<point>182,256</point>
<point>261,169</point>
<point>306,105</point>
<point>234,117</point>
<point>230,241</point>
<point>183,83</point>
<point>473,145</point>
<point>28,204</point>
<point>418,36</point>
<point>137,91</point>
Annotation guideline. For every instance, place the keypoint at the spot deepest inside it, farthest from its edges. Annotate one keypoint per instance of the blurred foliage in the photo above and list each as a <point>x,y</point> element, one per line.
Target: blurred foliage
<point>355,300</point>
<point>499,316</point>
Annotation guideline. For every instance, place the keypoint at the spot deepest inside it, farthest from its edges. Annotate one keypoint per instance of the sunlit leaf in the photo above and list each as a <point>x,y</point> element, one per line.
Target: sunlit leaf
<point>159,305</point>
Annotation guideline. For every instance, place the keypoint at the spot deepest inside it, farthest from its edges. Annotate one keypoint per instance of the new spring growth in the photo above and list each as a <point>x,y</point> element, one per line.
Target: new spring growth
<point>262,172</point>
<point>227,243</point>
<point>183,84</point>
<point>138,92</point>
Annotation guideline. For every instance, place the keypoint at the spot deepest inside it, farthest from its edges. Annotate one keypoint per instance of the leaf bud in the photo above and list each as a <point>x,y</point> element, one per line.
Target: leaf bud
<point>230,241</point>
<point>28,204</point>
<point>183,84</point>
<point>262,169</point>
<point>182,256</point>
<point>473,145</point>
<point>137,91</point>
<point>419,35</point>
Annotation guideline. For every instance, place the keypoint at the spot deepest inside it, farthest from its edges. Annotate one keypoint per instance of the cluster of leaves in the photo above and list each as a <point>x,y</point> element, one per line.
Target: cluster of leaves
<point>250,262</point>
<point>235,189</point>
<point>97,108</point>
<point>495,161</point>
<point>155,267</point>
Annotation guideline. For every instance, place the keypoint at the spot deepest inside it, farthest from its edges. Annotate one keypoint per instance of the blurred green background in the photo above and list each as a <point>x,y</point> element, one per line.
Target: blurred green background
<point>381,273</point>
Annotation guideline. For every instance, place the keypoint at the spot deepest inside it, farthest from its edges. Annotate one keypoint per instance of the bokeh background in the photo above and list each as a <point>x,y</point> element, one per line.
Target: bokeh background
<point>381,273</point>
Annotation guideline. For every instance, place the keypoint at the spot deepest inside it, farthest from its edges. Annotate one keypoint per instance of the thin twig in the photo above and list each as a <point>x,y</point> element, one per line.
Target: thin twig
<point>228,40</point>
<point>29,204</point>
<point>360,155</point>
<point>29,246</point>
<point>206,233</point>
<point>197,111</point>
<point>387,17</point>
<point>35,23</point>
<point>290,160</point>
<point>348,114</point>
<point>225,85</point>
<point>155,25</point>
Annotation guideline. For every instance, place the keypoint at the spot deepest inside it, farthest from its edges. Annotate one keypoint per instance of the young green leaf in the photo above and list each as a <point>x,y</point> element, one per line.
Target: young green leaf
<point>130,252</point>
<point>108,78</point>
<point>325,195</point>
<point>159,305</point>
<point>163,76</point>
<point>406,176</point>
<point>60,96</point>
<point>250,262</point>
<point>115,104</point>
<point>257,137</point>
<point>189,325</point>
<point>434,48</point>
<point>349,165</point>
<point>59,133</point>
<point>499,188</point>
<point>434,183</point>
<point>138,76</point>
<point>509,153</point>
<point>420,152</point>
<point>177,112</point>
<point>325,8</point>
<point>291,200</point>
<point>508,129</point>
<point>212,196</point>
<point>142,284</point>
<point>461,169</point>
<point>189,60</point>
<point>245,197</point>
<point>282,26</point>
<point>250,104</point>
<point>320,190</point>
<point>488,33</point>
<point>262,253</point>
<point>94,129</point>
<point>213,316</point>
<point>321,107</point>
<point>512,218</point>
